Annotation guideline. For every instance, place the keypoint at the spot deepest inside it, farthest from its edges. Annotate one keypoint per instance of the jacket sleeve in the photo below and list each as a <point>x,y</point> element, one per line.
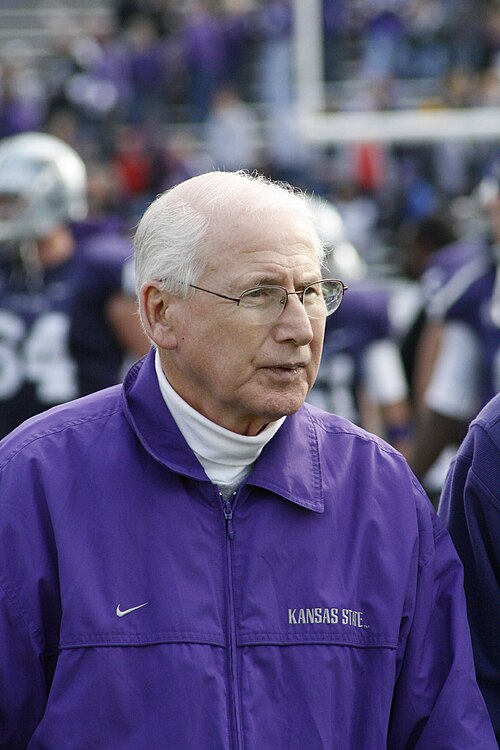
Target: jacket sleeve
<point>437,703</point>
<point>28,589</point>
<point>23,690</point>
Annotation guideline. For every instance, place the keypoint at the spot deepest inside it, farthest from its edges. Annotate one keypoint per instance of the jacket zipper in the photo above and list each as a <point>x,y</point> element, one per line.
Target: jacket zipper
<point>228,515</point>
<point>233,663</point>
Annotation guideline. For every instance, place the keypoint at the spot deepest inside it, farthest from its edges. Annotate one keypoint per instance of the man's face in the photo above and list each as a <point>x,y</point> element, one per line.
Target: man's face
<point>239,374</point>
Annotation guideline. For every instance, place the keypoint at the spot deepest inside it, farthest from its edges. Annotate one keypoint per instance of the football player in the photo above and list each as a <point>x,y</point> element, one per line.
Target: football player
<point>361,375</point>
<point>466,373</point>
<point>44,270</point>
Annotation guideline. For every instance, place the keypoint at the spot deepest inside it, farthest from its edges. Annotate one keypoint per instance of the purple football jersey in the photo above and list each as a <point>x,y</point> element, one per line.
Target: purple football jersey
<point>97,353</point>
<point>474,307</point>
<point>36,369</point>
<point>362,318</point>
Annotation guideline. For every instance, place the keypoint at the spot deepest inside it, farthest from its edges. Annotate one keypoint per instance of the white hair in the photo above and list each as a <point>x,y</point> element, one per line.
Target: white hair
<point>169,237</point>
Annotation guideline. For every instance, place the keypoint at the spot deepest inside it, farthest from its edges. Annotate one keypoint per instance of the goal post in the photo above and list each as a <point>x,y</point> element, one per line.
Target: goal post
<point>321,127</point>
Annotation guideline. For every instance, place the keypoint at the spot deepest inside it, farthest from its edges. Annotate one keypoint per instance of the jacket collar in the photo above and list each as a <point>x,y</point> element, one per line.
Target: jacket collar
<point>289,465</point>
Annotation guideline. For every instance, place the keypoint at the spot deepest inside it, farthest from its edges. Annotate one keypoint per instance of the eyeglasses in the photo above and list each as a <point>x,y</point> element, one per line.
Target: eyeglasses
<point>264,304</point>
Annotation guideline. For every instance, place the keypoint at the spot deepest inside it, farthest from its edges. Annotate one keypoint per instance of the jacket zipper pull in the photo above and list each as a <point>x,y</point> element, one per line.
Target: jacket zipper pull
<point>228,515</point>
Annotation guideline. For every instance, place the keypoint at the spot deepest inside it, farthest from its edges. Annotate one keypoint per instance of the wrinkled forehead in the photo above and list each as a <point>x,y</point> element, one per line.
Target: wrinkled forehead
<point>259,225</point>
<point>242,216</point>
<point>269,250</point>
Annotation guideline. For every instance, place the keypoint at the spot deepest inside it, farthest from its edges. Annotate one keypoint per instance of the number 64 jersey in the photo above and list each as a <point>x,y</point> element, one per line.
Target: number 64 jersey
<point>37,369</point>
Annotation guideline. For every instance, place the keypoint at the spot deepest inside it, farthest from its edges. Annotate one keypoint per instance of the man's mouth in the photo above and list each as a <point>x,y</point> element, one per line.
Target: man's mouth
<point>287,370</point>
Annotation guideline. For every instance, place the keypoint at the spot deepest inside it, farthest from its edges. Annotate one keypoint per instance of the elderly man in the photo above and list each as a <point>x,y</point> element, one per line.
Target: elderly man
<point>198,559</point>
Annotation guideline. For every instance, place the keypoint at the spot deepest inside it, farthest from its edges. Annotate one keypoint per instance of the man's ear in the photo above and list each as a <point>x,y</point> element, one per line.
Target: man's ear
<point>156,317</point>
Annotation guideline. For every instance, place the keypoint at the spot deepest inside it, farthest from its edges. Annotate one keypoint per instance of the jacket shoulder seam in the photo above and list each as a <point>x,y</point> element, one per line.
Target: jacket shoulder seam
<point>54,430</point>
<point>366,437</point>
<point>381,445</point>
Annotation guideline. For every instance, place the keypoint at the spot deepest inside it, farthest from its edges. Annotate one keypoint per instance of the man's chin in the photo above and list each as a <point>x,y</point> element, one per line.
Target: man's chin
<point>285,406</point>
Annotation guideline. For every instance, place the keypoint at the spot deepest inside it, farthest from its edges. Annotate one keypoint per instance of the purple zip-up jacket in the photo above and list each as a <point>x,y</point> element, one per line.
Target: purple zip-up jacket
<point>470,509</point>
<point>321,609</point>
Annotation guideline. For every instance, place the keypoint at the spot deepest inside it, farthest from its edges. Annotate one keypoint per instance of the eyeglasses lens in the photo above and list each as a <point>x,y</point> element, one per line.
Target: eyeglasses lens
<point>266,303</point>
<point>323,298</point>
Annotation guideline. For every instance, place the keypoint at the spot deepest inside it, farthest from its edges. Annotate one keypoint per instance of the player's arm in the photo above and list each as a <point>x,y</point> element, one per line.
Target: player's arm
<point>451,399</point>
<point>386,386</point>
<point>427,354</point>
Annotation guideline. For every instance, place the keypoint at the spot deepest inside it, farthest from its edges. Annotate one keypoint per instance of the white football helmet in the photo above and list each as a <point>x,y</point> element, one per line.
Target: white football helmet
<point>43,183</point>
<point>343,261</point>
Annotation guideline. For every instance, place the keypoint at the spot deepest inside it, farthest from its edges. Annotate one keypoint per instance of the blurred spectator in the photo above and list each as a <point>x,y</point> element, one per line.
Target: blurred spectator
<point>359,212</point>
<point>235,21</point>
<point>273,25</point>
<point>105,203</point>
<point>62,122</point>
<point>336,25</point>
<point>232,132</point>
<point>453,159</point>
<point>489,87</point>
<point>22,105</point>
<point>203,44</point>
<point>133,165</point>
<point>179,157</point>
<point>145,54</point>
<point>99,89</point>
<point>155,11</point>
<point>427,54</point>
<point>419,195</point>
<point>490,42</point>
<point>287,154</point>
<point>383,33</point>
<point>465,24</point>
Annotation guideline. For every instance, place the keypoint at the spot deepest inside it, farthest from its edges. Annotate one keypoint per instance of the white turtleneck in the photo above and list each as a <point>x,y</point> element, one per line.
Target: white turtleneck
<point>226,456</point>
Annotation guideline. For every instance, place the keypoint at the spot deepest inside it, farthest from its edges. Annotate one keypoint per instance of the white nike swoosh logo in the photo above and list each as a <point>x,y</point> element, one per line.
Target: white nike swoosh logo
<point>123,612</point>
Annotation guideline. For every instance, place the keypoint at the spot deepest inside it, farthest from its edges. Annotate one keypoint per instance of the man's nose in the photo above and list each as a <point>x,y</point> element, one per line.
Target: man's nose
<point>294,323</point>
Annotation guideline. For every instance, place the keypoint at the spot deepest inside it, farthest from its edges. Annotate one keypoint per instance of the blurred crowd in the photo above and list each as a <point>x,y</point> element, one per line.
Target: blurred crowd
<point>157,91</point>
